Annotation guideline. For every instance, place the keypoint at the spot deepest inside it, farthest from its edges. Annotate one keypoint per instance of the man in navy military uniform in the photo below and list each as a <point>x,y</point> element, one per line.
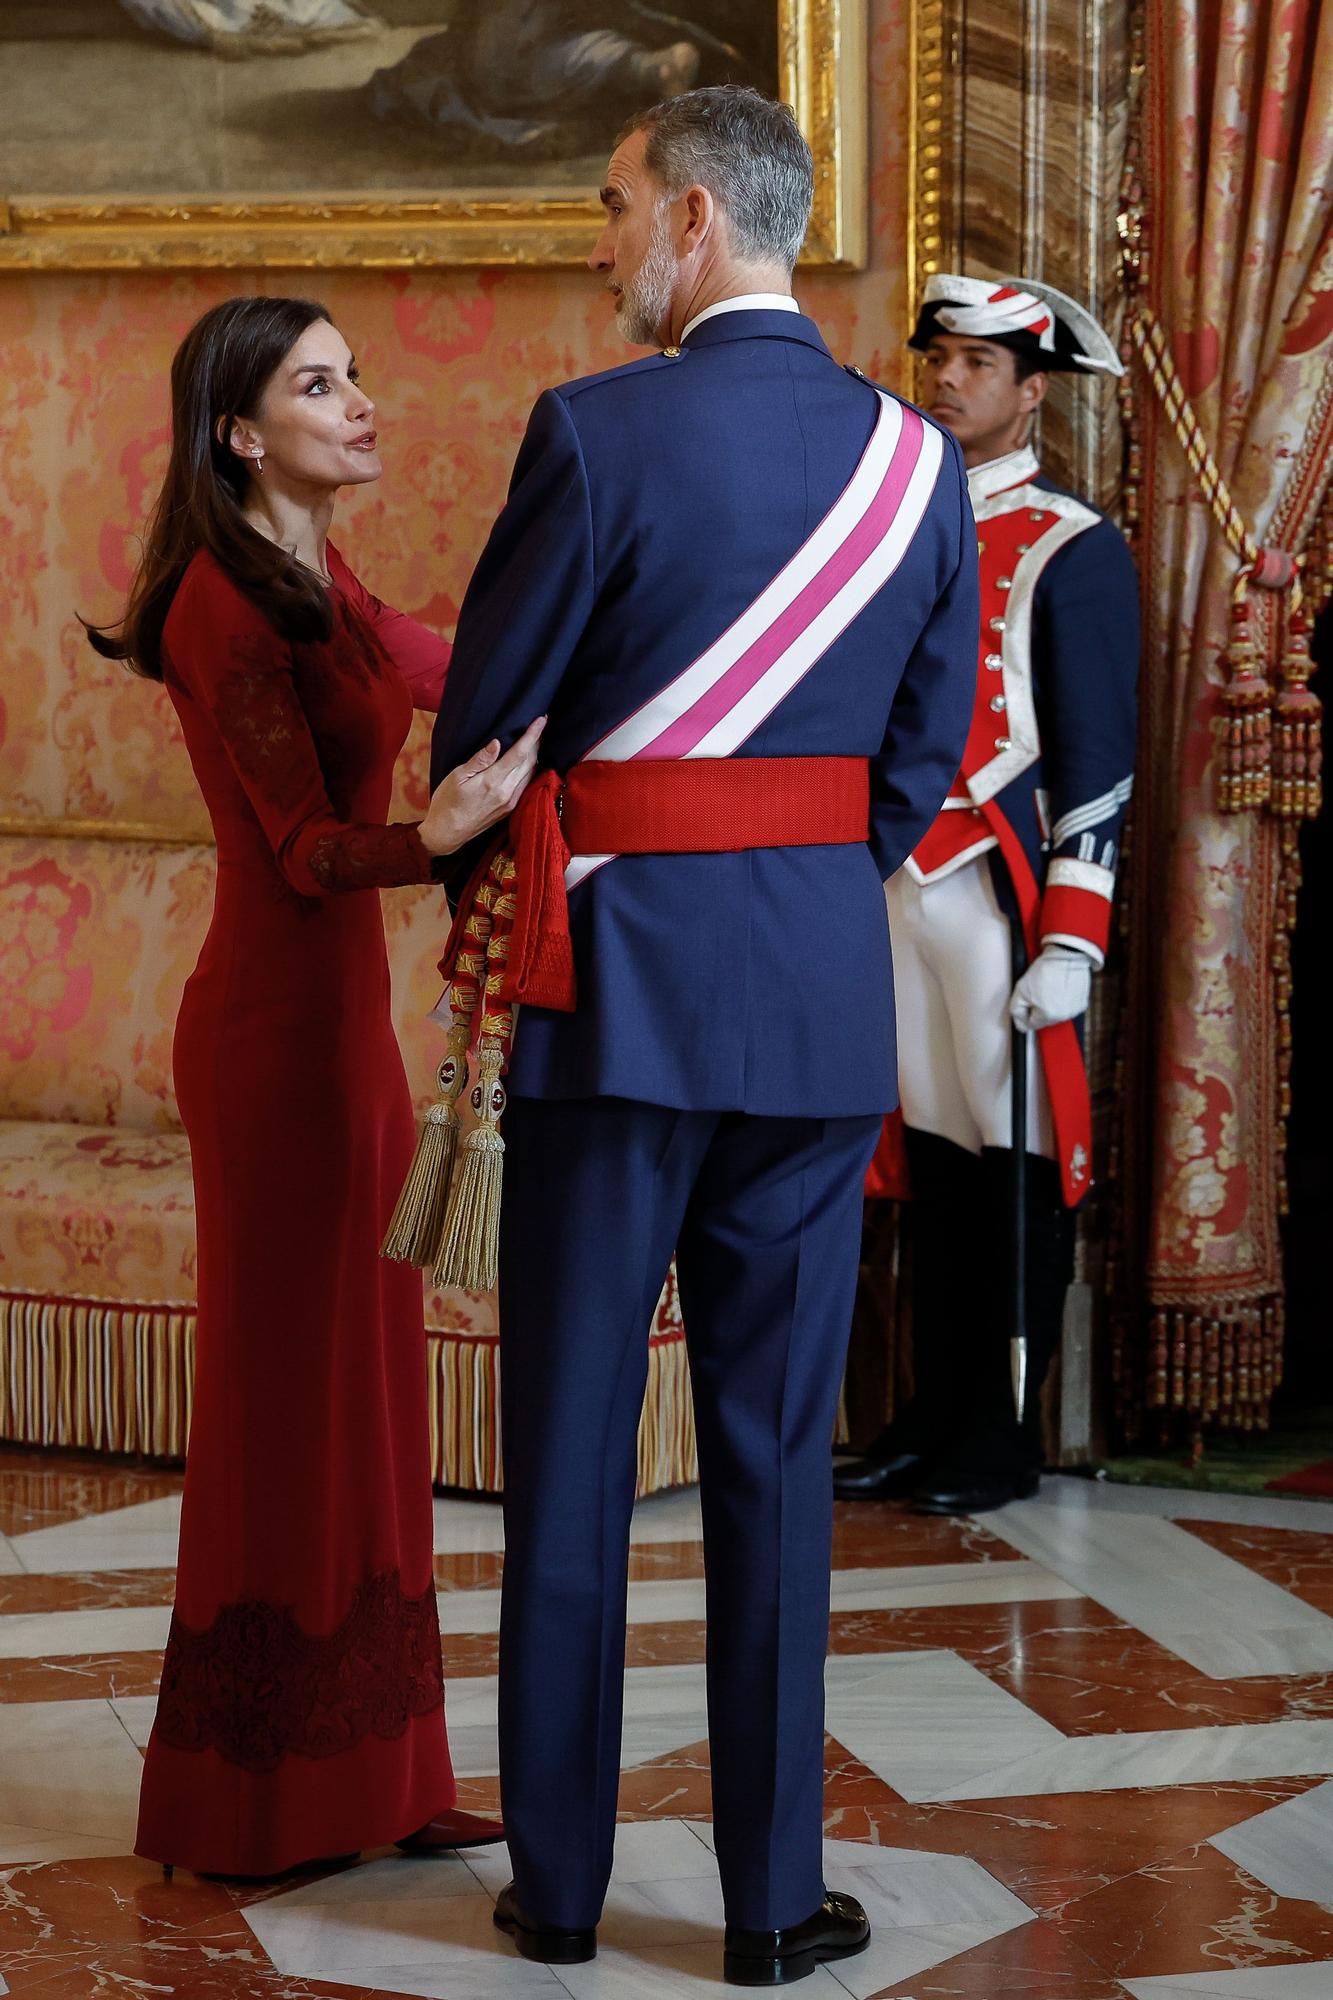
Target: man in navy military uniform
<point>739,566</point>
<point>1024,847</point>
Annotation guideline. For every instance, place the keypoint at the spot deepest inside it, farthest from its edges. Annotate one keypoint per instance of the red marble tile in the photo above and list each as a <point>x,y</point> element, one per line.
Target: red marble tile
<point>470,1570</point>
<point>96,1590</point>
<point>51,1908</point>
<point>1037,1962</point>
<point>1194,1912</point>
<point>40,1489</point>
<point>470,1653</point>
<point>884,1534</point>
<point>1298,1561</point>
<point>196,1968</point>
<point>663,1562</point>
<point>667,1791</point>
<point>1051,1850</point>
<point>80,1677</point>
<point>1081,1668</point>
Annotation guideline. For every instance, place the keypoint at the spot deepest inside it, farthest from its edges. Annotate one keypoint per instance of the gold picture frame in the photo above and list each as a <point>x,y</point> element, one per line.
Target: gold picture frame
<point>822,58</point>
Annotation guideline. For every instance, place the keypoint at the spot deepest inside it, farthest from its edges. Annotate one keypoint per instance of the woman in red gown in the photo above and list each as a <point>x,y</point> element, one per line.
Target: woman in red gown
<point>301,1706</point>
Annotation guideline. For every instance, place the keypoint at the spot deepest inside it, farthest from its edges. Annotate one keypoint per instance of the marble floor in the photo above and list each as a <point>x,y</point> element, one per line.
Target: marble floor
<point>1080,1750</point>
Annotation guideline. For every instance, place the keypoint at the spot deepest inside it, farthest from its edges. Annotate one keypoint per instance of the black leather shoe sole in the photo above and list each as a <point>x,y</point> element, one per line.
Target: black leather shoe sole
<point>738,1969</point>
<point>549,1947</point>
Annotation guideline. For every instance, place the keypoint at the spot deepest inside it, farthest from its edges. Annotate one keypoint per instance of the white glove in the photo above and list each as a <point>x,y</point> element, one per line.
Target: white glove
<point>1057,986</point>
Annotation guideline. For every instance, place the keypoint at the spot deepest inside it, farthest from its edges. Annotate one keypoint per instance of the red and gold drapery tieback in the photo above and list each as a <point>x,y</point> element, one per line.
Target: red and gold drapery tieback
<point>510,946</point>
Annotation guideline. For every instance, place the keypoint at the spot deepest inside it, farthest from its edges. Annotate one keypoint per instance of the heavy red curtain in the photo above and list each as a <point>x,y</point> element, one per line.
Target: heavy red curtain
<point>1237,165</point>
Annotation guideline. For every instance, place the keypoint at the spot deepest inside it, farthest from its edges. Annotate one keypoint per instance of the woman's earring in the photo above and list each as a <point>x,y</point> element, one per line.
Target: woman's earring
<point>259,461</point>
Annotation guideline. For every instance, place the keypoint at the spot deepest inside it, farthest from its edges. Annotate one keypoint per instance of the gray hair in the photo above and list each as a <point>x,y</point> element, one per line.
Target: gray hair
<point>748,152</point>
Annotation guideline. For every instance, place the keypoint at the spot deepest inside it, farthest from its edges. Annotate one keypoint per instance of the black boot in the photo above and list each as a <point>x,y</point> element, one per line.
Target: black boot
<point>993,1458</point>
<point>946,1190</point>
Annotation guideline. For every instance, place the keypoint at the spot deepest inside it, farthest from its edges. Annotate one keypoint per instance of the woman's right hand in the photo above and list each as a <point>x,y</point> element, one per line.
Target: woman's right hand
<point>481,792</point>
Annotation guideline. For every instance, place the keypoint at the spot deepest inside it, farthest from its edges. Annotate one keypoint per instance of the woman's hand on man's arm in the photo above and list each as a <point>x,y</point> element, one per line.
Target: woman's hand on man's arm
<point>480,793</point>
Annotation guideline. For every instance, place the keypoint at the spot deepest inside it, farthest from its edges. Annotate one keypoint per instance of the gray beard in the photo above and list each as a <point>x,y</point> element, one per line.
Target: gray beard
<point>645,302</point>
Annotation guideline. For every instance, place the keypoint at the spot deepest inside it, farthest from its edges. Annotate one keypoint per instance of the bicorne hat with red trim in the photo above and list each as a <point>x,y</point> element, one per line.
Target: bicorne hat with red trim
<point>1051,330</point>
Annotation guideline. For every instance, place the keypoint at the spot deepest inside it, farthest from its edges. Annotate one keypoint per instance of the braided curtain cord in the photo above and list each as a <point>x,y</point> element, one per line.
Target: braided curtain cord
<point>1271,745</point>
<point>1216,1364</point>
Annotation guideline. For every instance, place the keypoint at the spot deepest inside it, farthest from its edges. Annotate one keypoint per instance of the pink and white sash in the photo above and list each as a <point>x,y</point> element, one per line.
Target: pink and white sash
<point>718,703</point>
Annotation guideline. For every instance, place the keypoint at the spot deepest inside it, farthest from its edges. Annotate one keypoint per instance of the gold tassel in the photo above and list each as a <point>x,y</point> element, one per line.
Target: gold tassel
<point>1298,752</point>
<point>418,1220</point>
<point>470,1246</point>
<point>1246,772</point>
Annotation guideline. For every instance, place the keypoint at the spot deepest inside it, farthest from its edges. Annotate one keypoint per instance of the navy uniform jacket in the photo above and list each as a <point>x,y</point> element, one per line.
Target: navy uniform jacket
<point>1053,733</point>
<point>649,506</point>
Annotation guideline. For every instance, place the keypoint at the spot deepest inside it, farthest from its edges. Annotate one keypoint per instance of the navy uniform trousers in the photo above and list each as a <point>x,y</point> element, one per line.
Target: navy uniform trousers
<point>764,1214</point>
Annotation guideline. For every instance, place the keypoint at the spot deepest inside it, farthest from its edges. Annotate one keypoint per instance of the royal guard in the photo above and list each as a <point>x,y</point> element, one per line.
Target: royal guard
<point>1002,914</point>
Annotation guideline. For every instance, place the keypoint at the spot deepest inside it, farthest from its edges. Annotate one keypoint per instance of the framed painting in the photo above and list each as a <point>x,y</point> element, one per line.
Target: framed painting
<point>381,132</point>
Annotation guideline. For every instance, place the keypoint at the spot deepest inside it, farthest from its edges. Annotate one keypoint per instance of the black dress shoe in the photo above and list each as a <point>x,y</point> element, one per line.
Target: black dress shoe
<point>950,1492</point>
<point>838,1929</point>
<point>872,1478</point>
<point>536,1941</point>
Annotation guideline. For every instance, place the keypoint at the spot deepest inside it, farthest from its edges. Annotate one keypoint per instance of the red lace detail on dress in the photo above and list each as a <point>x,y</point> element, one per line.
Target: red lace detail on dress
<point>369,857</point>
<point>256,1688</point>
<point>261,720</point>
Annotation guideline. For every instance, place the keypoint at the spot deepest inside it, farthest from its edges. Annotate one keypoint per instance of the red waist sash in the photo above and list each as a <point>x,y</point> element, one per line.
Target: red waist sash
<point>713,805</point>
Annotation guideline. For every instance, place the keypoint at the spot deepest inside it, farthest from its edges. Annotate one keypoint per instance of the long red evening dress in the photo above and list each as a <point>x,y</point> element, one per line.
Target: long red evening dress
<point>301,1708</point>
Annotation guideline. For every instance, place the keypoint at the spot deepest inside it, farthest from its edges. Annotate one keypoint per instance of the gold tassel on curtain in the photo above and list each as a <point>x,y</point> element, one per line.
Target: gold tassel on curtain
<point>1219,1366</point>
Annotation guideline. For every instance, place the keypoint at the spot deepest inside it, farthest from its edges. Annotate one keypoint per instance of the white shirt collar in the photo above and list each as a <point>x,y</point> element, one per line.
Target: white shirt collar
<point>998,474</point>
<point>745,302</point>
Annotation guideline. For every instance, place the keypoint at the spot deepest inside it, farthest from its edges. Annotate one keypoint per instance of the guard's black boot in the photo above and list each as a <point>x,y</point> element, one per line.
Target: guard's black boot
<point>946,1194</point>
<point>539,1941</point>
<point>993,1458</point>
<point>838,1929</point>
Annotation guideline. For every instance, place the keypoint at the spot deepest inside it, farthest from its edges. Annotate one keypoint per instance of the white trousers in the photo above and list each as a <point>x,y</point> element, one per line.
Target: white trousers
<point>952,970</point>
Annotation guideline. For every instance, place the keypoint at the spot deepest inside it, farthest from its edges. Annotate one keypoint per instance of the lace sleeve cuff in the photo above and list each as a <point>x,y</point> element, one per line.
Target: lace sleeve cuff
<point>369,857</point>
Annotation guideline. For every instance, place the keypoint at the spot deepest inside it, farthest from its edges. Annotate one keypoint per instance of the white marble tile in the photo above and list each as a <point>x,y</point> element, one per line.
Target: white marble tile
<point>1175,1503</point>
<point>917,1585</point>
<point>474,1525</point>
<point>1124,1762</point>
<point>470,1526</point>
<point>1289,1848</point>
<point>60,1634</point>
<point>26,1845</point>
<point>1224,1619</point>
<point>668,1517</point>
<point>67,1768</point>
<point>435,1945</point>
<point>665,1710</point>
<point>1305,1981</point>
<point>893,1955</point>
<point>671,1972</point>
<point>661,1933</point>
<point>903,1888</point>
<point>135,1714</point>
<point>928,1723</point>
<point>681,1600</point>
<point>140,1537</point>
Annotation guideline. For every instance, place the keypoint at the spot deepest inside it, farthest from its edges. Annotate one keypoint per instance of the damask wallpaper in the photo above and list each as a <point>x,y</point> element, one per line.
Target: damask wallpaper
<point>455,360</point>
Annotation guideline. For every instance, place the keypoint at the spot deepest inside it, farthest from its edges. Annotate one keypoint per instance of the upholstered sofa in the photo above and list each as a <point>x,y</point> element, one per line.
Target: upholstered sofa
<point>100,923</point>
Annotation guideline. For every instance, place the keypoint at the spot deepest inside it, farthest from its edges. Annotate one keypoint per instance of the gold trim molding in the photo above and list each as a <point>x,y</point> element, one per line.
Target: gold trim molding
<point>823,63</point>
<point>18,826</point>
<point>1018,132</point>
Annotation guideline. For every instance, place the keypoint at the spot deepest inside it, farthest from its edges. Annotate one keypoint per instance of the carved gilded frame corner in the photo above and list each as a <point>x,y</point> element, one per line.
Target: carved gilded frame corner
<point>822,54</point>
<point>1018,132</point>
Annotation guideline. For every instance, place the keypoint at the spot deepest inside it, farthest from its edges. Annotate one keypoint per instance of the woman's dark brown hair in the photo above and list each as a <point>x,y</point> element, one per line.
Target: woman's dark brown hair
<point>219,373</point>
